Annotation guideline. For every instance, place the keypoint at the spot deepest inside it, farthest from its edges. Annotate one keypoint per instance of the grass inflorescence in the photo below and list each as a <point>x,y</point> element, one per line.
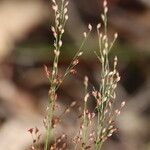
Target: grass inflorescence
<point>91,135</point>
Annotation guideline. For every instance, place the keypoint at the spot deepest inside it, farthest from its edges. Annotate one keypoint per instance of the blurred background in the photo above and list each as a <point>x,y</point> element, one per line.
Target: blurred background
<point>26,44</point>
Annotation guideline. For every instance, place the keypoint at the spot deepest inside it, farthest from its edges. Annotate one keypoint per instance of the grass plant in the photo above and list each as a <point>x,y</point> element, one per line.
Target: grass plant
<point>104,114</point>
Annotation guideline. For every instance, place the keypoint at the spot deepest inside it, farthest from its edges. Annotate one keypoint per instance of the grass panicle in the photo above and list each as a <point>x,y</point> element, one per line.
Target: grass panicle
<point>96,126</point>
<point>55,80</point>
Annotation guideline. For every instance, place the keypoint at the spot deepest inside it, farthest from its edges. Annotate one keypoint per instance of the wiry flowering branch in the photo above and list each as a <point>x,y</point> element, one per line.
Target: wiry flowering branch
<point>55,80</point>
<point>85,138</point>
<point>75,59</point>
<point>106,94</point>
<point>58,30</point>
